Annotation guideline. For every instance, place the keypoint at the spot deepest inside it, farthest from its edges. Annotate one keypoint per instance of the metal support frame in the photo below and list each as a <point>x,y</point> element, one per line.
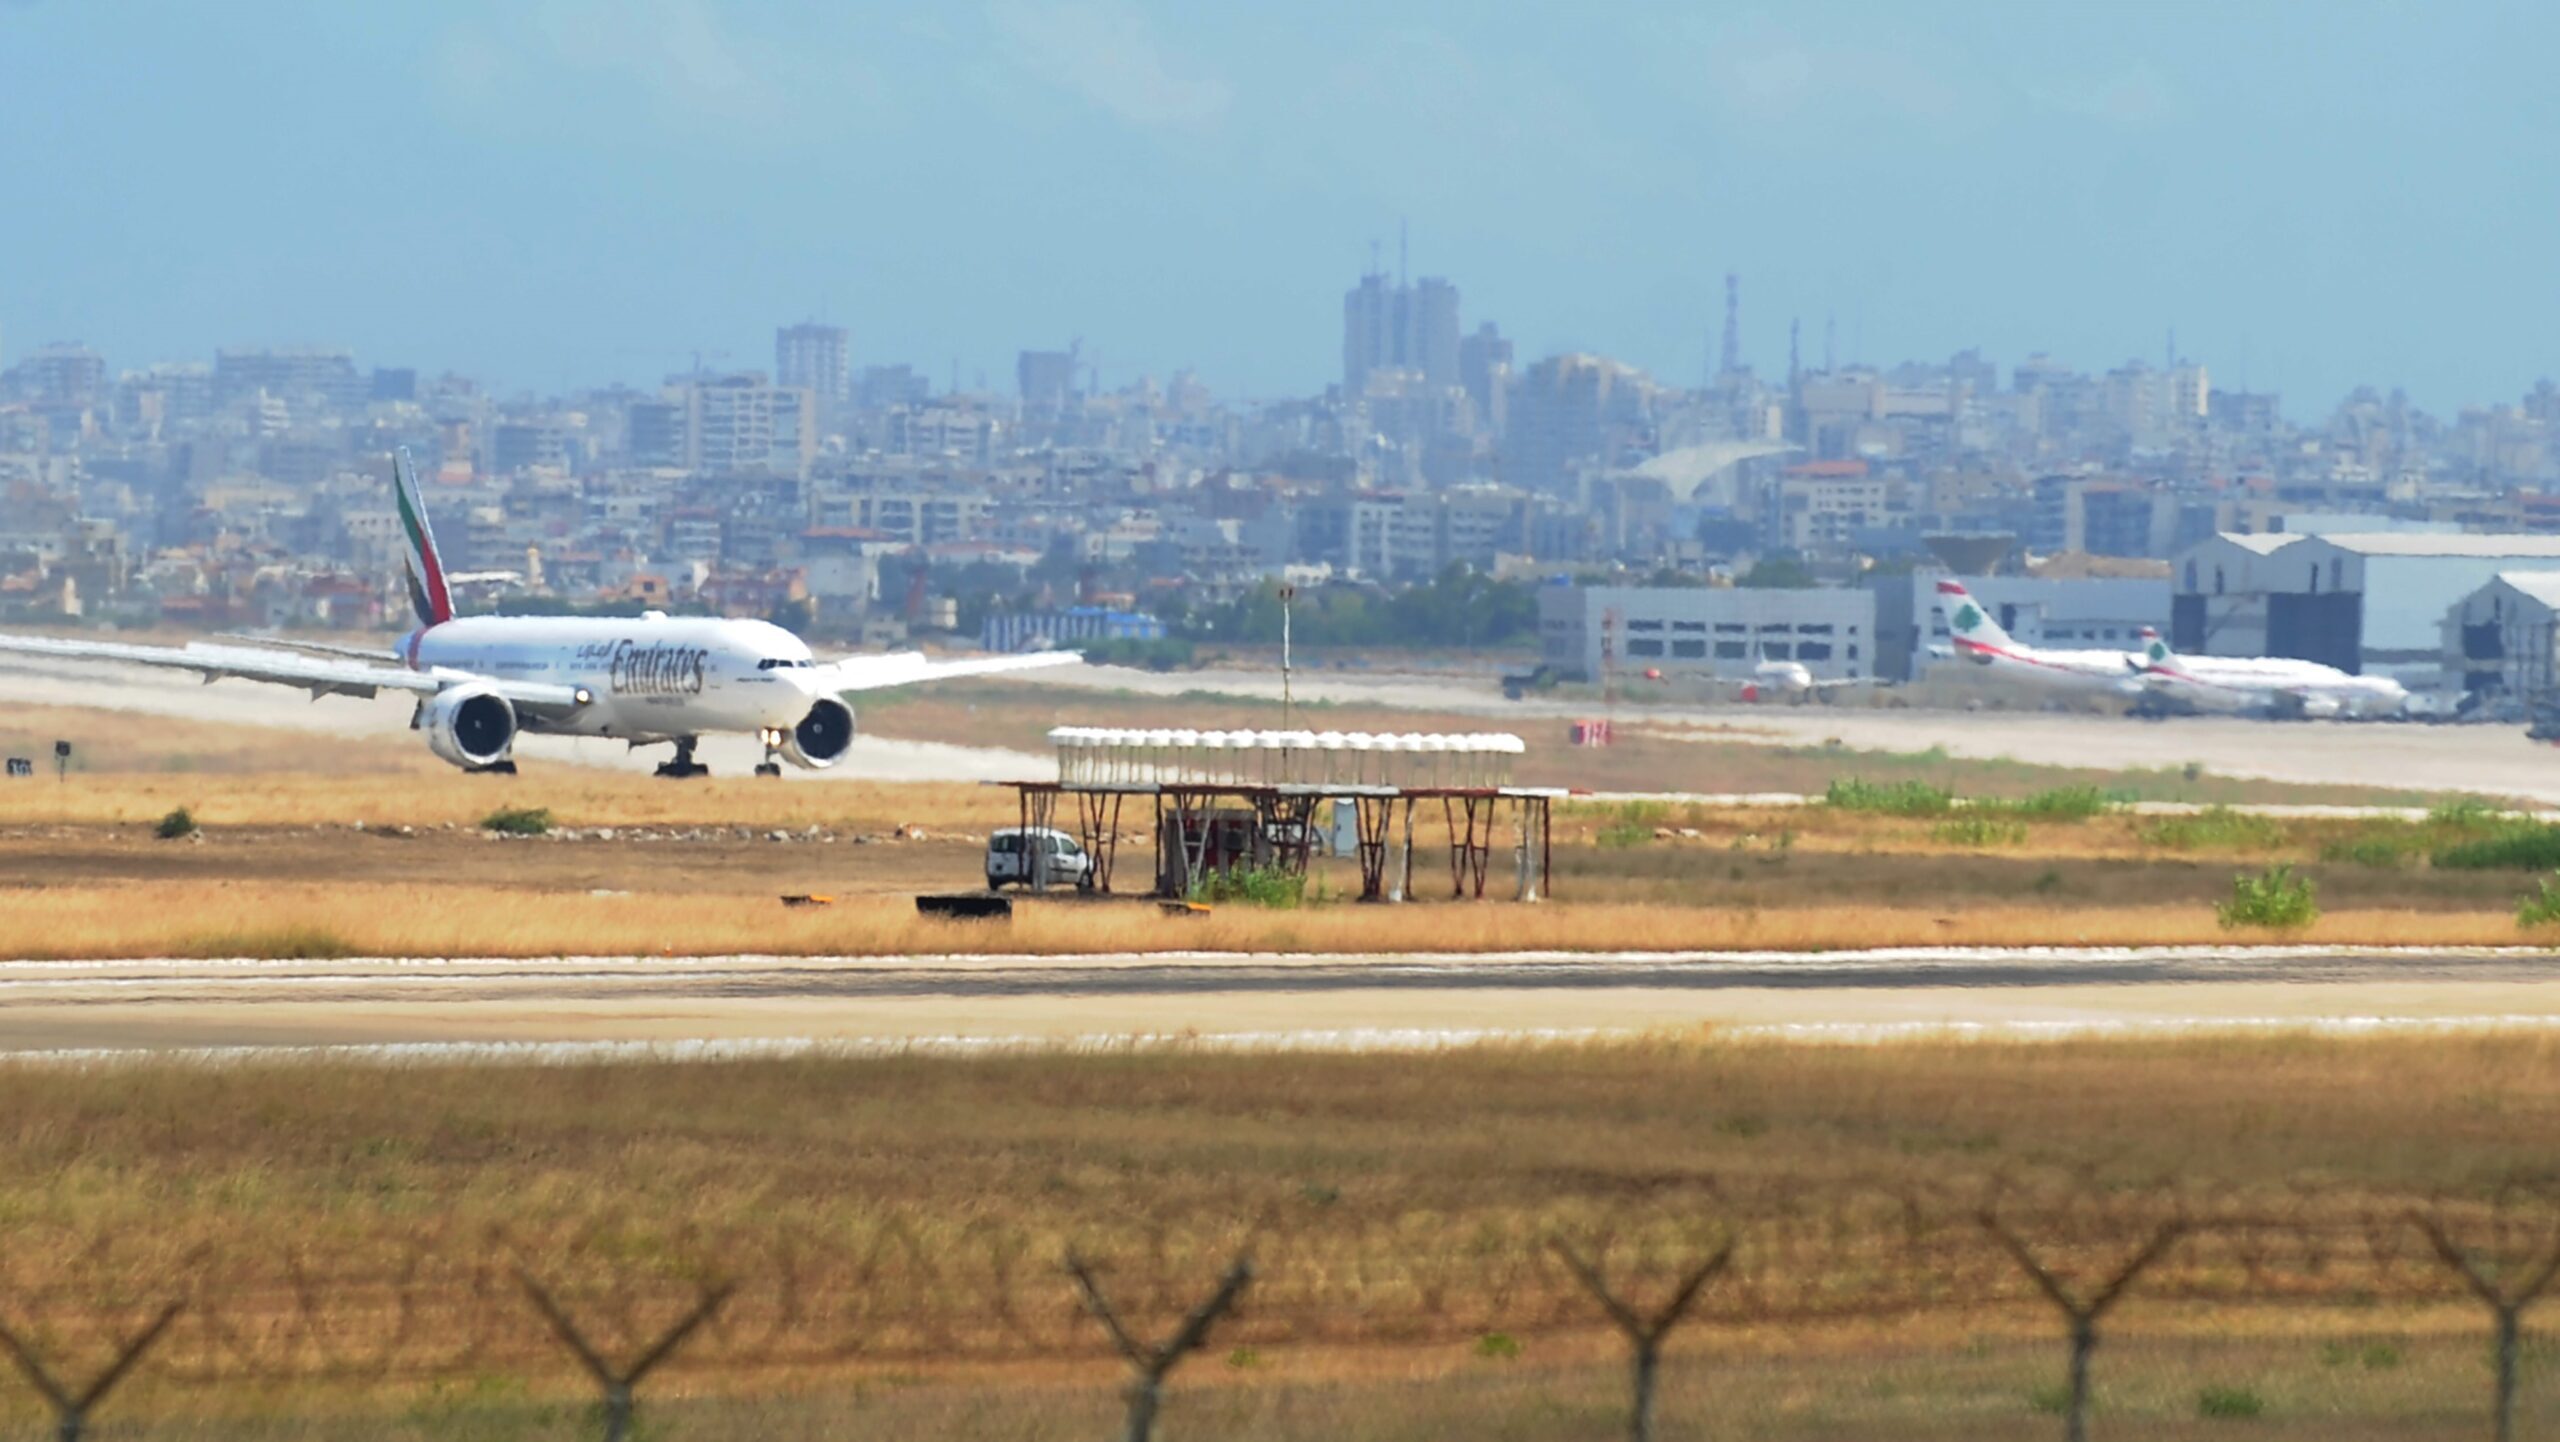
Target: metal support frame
<point>1372,816</point>
<point>1098,826</point>
<point>1039,810</point>
<point>1470,818</point>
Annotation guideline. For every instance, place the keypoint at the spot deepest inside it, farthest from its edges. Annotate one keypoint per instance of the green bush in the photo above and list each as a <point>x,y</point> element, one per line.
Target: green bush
<point>2468,813</point>
<point>1497,1346</point>
<point>2217,828</point>
<point>1889,798</point>
<point>517,821</point>
<point>2525,846</point>
<point>1270,886</point>
<point>2275,898</point>
<point>176,824</point>
<point>2540,909</point>
<point>1980,831</point>
<point>2229,1402</point>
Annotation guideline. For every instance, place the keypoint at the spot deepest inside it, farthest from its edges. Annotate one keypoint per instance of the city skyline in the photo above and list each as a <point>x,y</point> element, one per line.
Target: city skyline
<point>562,193</point>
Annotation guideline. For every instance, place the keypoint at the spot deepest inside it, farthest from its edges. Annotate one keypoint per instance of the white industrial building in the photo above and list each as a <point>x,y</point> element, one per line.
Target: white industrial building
<point>2369,602</point>
<point>1706,631</point>
<point>2505,637</point>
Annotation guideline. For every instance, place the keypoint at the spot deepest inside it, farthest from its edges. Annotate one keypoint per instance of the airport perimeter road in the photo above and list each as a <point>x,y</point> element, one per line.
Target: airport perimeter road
<point>1295,1000</point>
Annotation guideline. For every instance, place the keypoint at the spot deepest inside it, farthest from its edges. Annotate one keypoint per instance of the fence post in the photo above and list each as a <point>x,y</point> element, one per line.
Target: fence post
<point>1148,1366</point>
<point>71,1409</point>
<point>2506,1304</point>
<point>2083,1313</point>
<point>618,1384</point>
<point>1644,1334</point>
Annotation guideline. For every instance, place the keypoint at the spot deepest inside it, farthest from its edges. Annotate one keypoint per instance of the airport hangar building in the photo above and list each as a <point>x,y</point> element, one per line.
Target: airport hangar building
<point>1700,630</point>
<point>2367,602</point>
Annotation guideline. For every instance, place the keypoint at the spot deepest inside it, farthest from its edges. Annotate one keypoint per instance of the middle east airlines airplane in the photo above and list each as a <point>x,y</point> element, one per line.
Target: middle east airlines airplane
<point>481,681</point>
<point>1981,640</point>
<point>2268,685</point>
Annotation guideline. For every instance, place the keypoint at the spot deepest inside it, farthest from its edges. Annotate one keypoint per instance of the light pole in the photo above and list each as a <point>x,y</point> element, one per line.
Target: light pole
<point>1288,594</point>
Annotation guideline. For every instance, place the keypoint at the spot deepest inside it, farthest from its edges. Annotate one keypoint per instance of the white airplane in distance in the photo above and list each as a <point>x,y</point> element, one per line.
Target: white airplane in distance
<point>481,681</point>
<point>1788,680</point>
<point>1981,640</point>
<point>2268,686</point>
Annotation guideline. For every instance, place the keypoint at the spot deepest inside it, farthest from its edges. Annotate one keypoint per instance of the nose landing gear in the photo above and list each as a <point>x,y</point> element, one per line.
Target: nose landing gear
<point>772,740</point>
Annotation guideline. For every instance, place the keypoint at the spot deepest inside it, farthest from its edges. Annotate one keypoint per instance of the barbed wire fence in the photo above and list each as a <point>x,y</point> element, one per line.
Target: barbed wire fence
<point>83,1315</point>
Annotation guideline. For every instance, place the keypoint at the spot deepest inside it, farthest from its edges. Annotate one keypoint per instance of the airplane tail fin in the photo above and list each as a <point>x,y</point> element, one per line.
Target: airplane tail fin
<point>2155,650</point>
<point>427,592</point>
<point>1969,623</point>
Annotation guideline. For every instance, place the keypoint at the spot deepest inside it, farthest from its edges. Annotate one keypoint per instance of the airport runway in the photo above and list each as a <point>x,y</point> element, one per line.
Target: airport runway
<point>717,1005</point>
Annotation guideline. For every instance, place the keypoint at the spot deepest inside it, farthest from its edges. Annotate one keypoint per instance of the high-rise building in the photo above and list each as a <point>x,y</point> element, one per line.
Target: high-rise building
<point>295,373</point>
<point>1484,368</point>
<point>1400,326</point>
<point>740,423</point>
<point>1047,378</point>
<point>815,358</point>
<point>63,375</point>
<point>1571,411</point>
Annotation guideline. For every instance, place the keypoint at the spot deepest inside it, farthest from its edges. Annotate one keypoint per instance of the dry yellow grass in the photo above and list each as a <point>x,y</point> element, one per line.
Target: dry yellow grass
<point>893,1223</point>
<point>258,918</point>
<point>443,796</point>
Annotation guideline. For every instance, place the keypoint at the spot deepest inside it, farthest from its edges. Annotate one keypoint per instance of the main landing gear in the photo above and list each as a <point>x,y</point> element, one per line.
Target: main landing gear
<point>772,748</point>
<point>684,767</point>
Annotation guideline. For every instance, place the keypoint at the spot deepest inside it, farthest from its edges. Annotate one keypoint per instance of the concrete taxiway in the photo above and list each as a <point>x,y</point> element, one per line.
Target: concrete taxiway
<point>718,1005</point>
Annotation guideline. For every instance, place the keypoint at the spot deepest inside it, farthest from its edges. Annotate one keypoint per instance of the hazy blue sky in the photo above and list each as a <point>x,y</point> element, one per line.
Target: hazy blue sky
<point>571,191</point>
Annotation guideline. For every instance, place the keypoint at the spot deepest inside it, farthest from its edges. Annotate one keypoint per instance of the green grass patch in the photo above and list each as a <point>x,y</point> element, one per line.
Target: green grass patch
<point>1889,798</point>
<point>517,821</point>
<point>2519,846</point>
<point>2226,1402</point>
<point>2055,803</point>
<point>2275,899</point>
<point>1979,832</point>
<point>2217,828</point>
<point>1267,886</point>
<point>275,943</point>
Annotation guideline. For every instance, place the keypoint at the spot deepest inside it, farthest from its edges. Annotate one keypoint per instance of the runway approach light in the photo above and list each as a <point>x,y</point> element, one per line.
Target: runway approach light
<point>1123,756</point>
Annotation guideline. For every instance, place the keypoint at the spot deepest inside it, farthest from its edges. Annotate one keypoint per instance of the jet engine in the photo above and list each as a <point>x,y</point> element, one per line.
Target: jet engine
<point>472,727</point>
<point>822,737</point>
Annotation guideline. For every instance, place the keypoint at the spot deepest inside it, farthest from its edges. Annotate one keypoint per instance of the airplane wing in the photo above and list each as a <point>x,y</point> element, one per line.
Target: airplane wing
<point>312,648</point>
<point>319,675</point>
<point>905,668</point>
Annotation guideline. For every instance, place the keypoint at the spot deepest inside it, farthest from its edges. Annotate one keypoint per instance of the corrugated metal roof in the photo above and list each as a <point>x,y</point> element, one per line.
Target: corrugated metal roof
<point>2265,543</point>
<point>2543,586</point>
<point>2400,543</point>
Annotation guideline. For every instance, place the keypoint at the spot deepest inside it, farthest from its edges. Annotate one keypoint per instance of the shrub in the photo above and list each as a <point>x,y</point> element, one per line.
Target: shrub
<point>2526,846</point>
<point>2217,828</point>
<point>2274,898</point>
<point>1498,1346</point>
<point>517,821</point>
<point>1270,886</point>
<point>2059,803</point>
<point>2468,813</point>
<point>176,824</point>
<point>1980,831</point>
<point>2540,909</point>
<point>2229,1402</point>
<point>1889,798</point>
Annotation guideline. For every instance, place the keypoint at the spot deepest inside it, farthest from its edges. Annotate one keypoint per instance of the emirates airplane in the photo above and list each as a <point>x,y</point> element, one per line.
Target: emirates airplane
<point>481,681</point>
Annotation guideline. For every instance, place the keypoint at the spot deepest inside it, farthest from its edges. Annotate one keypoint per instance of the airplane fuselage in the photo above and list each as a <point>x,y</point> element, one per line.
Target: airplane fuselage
<point>652,677</point>
<point>2089,672</point>
<point>2276,685</point>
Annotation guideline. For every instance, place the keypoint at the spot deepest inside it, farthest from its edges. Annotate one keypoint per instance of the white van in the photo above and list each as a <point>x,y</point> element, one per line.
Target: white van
<point>1013,851</point>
